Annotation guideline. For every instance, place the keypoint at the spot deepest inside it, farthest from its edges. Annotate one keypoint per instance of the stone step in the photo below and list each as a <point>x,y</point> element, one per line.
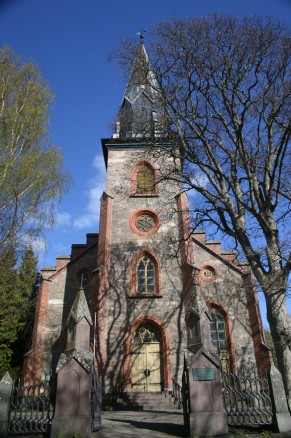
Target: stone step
<point>140,401</point>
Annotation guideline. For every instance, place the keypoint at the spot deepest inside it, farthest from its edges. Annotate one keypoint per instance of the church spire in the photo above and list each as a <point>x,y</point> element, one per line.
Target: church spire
<point>141,105</point>
<point>142,78</point>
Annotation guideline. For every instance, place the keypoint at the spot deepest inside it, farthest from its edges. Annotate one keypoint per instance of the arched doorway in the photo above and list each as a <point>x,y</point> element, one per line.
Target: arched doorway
<point>146,370</point>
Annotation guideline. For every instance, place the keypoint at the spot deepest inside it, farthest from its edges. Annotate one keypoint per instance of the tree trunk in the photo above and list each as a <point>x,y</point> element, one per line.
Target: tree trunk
<point>280,327</point>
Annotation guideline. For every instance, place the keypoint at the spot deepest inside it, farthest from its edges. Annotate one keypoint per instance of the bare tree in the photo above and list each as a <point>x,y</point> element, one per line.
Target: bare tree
<point>225,87</point>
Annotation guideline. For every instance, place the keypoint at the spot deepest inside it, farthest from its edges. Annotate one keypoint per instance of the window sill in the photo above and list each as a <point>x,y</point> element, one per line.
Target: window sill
<point>142,296</point>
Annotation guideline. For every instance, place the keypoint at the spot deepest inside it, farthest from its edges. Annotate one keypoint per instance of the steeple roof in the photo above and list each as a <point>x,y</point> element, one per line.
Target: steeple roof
<point>142,78</point>
<point>140,114</point>
<point>80,308</point>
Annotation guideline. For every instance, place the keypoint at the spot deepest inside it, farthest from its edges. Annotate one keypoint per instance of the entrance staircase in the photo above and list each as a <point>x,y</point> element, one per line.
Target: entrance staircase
<point>142,401</point>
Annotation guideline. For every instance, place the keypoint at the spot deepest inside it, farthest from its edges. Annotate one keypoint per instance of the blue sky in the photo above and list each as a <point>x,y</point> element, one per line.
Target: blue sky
<point>70,41</point>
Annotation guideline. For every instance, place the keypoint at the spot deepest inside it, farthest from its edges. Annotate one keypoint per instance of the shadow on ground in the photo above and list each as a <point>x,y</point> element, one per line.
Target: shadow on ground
<point>145,424</point>
<point>168,428</point>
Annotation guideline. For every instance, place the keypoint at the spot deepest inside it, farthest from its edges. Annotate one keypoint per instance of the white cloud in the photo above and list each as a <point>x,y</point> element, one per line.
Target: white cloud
<point>85,221</point>
<point>94,195</point>
<point>38,244</point>
<point>63,219</point>
<point>200,179</point>
<point>98,163</point>
<point>96,188</point>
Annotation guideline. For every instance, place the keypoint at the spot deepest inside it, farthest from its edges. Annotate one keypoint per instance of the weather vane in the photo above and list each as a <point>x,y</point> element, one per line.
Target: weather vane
<point>141,34</point>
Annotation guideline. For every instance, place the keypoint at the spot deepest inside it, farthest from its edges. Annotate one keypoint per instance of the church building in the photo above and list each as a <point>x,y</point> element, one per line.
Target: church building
<point>153,288</point>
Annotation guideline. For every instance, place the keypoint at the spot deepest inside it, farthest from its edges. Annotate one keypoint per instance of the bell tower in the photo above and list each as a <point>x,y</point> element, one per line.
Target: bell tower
<point>140,308</point>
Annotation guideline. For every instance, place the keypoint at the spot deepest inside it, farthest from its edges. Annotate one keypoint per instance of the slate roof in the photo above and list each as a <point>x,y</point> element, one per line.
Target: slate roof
<point>80,308</point>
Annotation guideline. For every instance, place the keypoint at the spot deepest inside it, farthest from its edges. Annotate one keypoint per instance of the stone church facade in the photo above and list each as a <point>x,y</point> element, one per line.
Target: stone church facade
<point>152,290</point>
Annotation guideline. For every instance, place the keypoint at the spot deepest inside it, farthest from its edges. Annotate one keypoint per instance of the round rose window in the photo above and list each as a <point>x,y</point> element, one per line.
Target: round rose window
<point>208,273</point>
<point>144,222</point>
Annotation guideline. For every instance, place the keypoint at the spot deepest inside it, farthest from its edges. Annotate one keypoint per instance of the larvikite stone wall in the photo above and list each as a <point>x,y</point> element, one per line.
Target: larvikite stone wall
<point>226,289</point>
<point>64,284</point>
<point>124,306</point>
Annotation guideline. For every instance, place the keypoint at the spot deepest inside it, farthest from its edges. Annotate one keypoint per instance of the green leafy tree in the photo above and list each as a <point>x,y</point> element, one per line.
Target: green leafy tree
<point>10,309</point>
<point>224,84</point>
<point>32,178</point>
<point>18,297</point>
<point>27,289</point>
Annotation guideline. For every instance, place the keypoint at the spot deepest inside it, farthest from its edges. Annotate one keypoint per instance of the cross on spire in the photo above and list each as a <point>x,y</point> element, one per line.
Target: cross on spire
<point>83,278</point>
<point>141,34</point>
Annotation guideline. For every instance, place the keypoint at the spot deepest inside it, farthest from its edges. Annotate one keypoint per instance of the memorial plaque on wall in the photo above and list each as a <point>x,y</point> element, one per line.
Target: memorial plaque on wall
<point>203,374</point>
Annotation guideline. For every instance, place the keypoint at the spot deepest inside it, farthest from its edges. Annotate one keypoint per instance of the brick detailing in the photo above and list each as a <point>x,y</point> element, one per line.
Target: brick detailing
<point>262,354</point>
<point>77,248</point>
<point>200,235</point>
<point>214,245</point>
<point>230,256</point>
<point>214,248</point>
<point>133,279</point>
<point>186,249</point>
<point>91,239</point>
<point>165,348</point>
<point>211,269</point>
<point>37,358</point>
<point>62,261</point>
<point>133,178</point>
<point>33,361</point>
<point>103,268</point>
<point>139,212</point>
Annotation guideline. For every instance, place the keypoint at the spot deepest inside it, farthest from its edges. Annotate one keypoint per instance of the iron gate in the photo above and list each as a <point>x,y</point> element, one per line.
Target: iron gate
<point>31,407</point>
<point>247,399</point>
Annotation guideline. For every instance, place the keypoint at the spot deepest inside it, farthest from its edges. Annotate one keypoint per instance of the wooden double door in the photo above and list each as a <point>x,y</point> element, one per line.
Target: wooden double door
<point>146,372</point>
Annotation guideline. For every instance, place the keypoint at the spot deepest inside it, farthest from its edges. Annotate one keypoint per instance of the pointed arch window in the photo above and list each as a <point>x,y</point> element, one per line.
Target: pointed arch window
<point>145,180</point>
<point>145,275</point>
<point>218,335</point>
<point>146,334</point>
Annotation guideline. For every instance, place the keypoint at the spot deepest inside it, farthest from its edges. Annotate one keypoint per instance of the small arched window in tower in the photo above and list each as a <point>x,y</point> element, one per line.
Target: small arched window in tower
<point>218,335</point>
<point>145,275</point>
<point>145,180</point>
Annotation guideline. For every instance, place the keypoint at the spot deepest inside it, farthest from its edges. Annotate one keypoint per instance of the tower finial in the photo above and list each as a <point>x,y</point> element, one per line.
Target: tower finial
<point>141,35</point>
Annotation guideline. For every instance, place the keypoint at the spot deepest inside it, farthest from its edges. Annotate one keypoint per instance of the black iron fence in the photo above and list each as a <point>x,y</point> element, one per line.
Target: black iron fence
<point>177,392</point>
<point>246,396</point>
<point>31,406</point>
<point>247,399</point>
